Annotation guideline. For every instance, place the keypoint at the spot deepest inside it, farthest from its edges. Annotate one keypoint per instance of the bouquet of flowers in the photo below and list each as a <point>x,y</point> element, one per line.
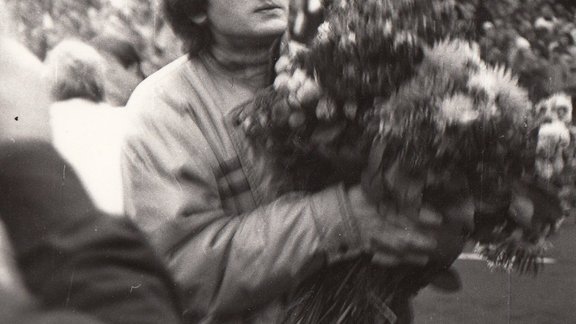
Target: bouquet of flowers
<point>391,94</point>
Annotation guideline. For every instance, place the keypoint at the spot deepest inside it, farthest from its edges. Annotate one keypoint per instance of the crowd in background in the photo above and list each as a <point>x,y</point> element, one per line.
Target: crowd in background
<point>41,24</point>
<point>537,38</point>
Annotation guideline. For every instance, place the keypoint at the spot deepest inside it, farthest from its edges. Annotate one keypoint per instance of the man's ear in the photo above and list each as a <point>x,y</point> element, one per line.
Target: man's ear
<point>199,19</point>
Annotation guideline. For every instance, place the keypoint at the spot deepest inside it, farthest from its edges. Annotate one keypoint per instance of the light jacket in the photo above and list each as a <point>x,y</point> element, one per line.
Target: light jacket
<point>214,207</point>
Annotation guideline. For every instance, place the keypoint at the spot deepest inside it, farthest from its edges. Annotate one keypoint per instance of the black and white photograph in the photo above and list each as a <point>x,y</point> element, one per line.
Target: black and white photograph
<point>287,161</point>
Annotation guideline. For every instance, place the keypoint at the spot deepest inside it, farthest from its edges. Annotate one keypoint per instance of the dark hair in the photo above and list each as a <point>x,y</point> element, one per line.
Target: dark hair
<point>179,15</point>
<point>123,50</point>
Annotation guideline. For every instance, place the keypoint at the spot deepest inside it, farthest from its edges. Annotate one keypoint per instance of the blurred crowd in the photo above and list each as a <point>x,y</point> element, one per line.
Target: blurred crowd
<point>129,34</point>
<point>41,24</point>
<point>536,39</point>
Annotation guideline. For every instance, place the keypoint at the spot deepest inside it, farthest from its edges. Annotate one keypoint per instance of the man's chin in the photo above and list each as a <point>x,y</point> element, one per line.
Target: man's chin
<point>272,28</point>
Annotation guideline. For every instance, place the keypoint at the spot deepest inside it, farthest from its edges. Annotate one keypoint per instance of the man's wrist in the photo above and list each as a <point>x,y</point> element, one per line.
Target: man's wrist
<point>339,232</point>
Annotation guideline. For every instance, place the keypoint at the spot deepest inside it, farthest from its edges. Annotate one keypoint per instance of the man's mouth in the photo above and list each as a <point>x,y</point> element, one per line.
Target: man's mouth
<point>267,6</point>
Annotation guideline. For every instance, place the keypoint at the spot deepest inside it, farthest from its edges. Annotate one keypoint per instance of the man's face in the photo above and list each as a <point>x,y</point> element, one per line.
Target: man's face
<point>248,19</point>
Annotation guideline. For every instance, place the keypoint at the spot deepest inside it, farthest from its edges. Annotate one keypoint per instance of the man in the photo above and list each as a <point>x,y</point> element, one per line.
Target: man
<point>77,265</point>
<point>86,130</point>
<point>236,240</point>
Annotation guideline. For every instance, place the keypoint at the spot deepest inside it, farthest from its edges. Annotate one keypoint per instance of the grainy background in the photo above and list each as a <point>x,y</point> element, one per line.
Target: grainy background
<point>498,298</point>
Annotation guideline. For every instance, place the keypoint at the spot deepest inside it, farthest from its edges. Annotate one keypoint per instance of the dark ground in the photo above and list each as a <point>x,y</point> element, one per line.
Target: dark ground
<point>499,298</point>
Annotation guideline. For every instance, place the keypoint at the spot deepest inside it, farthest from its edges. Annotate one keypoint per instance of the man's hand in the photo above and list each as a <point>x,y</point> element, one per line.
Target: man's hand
<point>392,237</point>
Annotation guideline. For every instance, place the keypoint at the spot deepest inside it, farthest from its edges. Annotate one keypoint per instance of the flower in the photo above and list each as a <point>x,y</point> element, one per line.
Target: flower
<point>438,125</point>
<point>458,110</point>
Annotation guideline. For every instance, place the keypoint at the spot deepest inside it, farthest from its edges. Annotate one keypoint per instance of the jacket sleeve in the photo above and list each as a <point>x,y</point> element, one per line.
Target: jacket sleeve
<point>225,264</point>
<point>72,256</point>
